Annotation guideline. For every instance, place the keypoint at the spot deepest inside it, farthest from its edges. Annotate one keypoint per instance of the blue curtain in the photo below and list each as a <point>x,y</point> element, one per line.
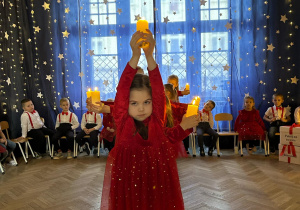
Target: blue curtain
<point>219,47</point>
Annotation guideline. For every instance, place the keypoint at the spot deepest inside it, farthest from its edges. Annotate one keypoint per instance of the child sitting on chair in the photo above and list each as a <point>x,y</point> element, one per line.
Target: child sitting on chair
<point>7,144</point>
<point>277,116</point>
<point>66,122</point>
<point>206,126</point>
<point>33,126</point>
<point>91,122</point>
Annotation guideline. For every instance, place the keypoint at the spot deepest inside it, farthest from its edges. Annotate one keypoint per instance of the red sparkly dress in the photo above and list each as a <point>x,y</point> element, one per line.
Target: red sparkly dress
<point>249,125</point>
<point>142,174</point>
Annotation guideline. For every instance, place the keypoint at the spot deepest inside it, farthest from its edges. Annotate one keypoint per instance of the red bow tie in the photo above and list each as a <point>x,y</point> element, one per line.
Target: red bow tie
<point>280,108</point>
<point>66,113</point>
<point>33,112</point>
<point>204,111</point>
<point>89,112</point>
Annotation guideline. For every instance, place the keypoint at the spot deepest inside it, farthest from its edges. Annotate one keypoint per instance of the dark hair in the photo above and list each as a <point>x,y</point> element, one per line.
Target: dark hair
<point>170,88</point>
<point>25,101</point>
<point>169,115</point>
<point>141,82</point>
<point>278,94</point>
<point>212,102</point>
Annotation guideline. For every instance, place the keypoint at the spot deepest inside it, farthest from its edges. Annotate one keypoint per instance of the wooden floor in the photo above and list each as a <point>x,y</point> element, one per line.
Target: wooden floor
<point>228,182</point>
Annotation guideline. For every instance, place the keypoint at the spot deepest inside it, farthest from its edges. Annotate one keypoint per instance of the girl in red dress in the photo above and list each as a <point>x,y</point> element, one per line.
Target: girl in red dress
<point>141,170</point>
<point>249,124</point>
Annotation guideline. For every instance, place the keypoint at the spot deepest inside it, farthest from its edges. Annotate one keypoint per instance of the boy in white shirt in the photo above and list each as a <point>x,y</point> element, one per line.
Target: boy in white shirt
<point>66,122</point>
<point>277,116</point>
<point>206,126</point>
<point>91,122</point>
<point>32,126</point>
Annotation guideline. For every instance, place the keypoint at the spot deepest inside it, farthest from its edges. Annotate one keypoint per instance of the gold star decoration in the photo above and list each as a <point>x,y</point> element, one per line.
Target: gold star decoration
<point>270,47</point>
<point>45,63</point>
<point>91,22</point>
<point>192,58</point>
<point>296,27</point>
<point>214,87</point>
<point>58,1</point>
<point>91,52</point>
<point>268,16</point>
<point>266,2</point>
<point>292,43</point>
<point>256,64</point>
<point>202,2</point>
<point>166,20</point>
<point>137,17</point>
<point>67,10</point>
<point>50,43</point>
<point>40,95</point>
<point>228,25</point>
<point>48,77</point>
<point>60,56</point>
<point>283,18</point>
<point>112,32</point>
<point>226,67</point>
<point>249,9</point>
<point>105,82</point>
<point>65,34</point>
<point>81,74</point>
<point>261,82</point>
<point>36,29</point>
<point>294,80</point>
<point>275,89</point>
<point>119,11</point>
<point>277,32</point>
<point>32,12</point>
<point>193,30</point>
<point>8,81</point>
<point>46,6</point>
<point>29,40</point>
<point>14,25</point>
<point>6,35</point>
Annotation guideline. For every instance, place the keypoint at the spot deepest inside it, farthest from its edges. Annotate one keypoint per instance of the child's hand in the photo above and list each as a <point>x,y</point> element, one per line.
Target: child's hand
<point>273,119</point>
<point>149,38</point>
<point>86,130</point>
<point>189,122</point>
<point>185,92</point>
<point>283,120</point>
<point>92,107</point>
<point>135,43</point>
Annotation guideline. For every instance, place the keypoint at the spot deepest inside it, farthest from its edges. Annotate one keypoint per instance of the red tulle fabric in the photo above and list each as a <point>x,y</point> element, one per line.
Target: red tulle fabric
<point>141,174</point>
<point>108,121</point>
<point>250,126</point>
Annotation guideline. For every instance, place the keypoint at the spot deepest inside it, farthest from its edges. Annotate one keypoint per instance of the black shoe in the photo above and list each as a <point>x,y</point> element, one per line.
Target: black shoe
<point>95,151</point>
<point>87,149</point>
<point>202,153</point>
<point>210,151</point>
<point>272,150</point>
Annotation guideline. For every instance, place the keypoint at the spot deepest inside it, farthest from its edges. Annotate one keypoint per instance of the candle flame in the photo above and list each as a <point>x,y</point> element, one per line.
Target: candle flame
<point>89,89</point>
<point>193,102</point>
<point>96,88</point>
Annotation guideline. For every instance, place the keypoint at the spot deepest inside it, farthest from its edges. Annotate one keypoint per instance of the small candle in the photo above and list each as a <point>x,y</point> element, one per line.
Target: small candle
<point>187,86</point>
<point>141,26</point>
<point>192,109</point>
<point>198,99</point>
<point>95,95</point>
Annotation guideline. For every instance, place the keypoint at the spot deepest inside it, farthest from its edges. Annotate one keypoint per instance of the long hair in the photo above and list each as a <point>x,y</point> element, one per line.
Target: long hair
<point>174,77</point>
<point>170,89</point>
<point>141,82</point>
<point>169,115</point>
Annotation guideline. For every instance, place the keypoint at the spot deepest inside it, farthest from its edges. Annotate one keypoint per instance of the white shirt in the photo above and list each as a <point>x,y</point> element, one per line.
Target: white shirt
<point>277,113</point>
<point>204,117</point>
<point>66,119</point>
<point>297,115</point>
<point>26,123</point>
<point>90,118</point>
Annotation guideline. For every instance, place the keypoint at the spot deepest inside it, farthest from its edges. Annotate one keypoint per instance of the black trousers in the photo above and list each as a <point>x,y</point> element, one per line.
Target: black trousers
<point>63,130</point>
<point>274,128</point>
<point>204,127</point>
<point>38,143</point>
<point>93,140</point>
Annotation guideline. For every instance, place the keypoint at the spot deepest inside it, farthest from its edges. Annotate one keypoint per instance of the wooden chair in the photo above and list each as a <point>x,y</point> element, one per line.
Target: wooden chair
<point>5,126</point>
<point>225,117</point>
<point>28,144</point>
<point>64,137</point>
<point>192,140</point>
<point>87,136</point>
